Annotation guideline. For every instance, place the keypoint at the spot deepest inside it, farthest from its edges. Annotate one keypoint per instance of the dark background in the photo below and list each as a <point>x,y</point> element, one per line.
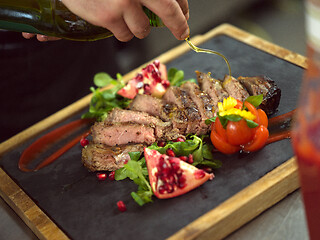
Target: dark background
<point>38,79</point>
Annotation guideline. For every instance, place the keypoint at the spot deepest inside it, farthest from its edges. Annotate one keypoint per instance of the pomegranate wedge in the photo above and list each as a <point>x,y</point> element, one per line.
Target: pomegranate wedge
<point>170,176</point>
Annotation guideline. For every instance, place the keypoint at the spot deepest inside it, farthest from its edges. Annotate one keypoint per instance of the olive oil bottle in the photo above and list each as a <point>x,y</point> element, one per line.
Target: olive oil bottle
<point>52,18</point>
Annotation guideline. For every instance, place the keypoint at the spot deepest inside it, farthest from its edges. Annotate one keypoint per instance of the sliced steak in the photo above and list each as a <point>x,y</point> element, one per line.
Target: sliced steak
<point>234,88</point>
<point>203,102</point>
<point>150,105</point>
<point>212,87</point>
<point>98,157</point>
<point>267,87</point>
<point>114,134</point>
<point>186,108</point>
<point>163,130</point>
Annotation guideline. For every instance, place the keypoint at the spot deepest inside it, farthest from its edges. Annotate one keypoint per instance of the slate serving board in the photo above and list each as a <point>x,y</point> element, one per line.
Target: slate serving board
<point>85,208</point>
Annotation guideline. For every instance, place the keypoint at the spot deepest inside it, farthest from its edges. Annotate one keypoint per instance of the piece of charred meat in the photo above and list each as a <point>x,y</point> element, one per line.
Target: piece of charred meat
<point>212,87</point>
<point>186,109</point>
<point>99,157</point>
<point>267,87</point>
<point>203,102</point>
<point>234,88</point>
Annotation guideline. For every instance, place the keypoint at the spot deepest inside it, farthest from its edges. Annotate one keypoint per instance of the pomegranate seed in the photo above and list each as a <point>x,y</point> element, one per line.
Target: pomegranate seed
<point>184,158</point>
<point>161,143</point>
<point>101,176</point>
<point>147,89</point>
<point>170,152</point>
<point>156,76</point>
<point>179,139</point>
<point>149,68</point>
<point>161,189</point>
<point>168,187</point>
<point>182,185</point>
<point>190,159</point>
<point>157,63</point>
<point>175,166</point>
<point>125,161</point>
<point>199,174</point>
<point>139,77</point>
<point>165,83</point>
<point>111,175</point>
<point>121,206</point>
<point>84,142</point>
<point>182,179</point>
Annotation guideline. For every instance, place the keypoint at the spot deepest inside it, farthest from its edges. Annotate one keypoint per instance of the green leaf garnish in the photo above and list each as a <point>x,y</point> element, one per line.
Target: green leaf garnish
<point>233,118</point>
<point>210,120</point>
<point>255,100</point>
<point>251,124</point>
<point>176,77</point>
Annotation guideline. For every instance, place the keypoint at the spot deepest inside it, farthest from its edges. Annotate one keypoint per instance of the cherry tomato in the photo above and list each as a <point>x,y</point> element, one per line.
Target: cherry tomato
<point>238,133</point>
<point>263,118</point>
<point>222,145</point>
<point>219,129</point>
<point>259,140</point>
<point>254,111</point>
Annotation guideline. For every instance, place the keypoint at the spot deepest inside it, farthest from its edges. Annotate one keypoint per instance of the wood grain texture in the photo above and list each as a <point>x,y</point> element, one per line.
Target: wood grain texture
<point>215,224</point>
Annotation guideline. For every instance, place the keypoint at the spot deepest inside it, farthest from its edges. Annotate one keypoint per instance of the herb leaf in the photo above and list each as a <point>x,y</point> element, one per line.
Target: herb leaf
<point>176,77</point>
<point>255,100</point>
<point>251,124</point>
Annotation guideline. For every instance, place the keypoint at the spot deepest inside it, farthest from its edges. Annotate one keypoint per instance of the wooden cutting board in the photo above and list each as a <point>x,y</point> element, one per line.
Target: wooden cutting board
<point>65,201</point>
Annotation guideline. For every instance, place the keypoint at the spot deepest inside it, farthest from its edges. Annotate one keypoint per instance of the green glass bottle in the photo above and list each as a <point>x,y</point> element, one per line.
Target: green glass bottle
<point>52,18</point>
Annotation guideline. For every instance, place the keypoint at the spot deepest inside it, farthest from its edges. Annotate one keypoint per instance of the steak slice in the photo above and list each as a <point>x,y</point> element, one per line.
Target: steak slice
<point>148,104</point>
<point>267,87</point>
<point>163,130</point>
<point>186,109</point>
<point>234,88</point>
<point>203,102</point>
<point>98,157</point>
<point>114,134</point>
<point>212,87</point>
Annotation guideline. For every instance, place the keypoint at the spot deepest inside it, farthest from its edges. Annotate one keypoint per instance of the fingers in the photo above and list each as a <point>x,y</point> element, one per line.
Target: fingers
<point>172,16</point>
<point>28,35</point>
<point>136,20</point>
<point>184,7</point>
<point>41,38</point>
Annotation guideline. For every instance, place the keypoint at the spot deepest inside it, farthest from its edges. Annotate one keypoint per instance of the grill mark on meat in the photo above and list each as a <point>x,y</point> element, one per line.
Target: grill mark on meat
<point>99,157</point>
<point>203,102</point>
<point>212,87</point>
<point>113,134</point>
<point>234,88</point>
<point>186,109</point>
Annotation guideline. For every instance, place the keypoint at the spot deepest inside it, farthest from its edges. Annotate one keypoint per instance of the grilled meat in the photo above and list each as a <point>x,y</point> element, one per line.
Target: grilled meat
<point>99,157</point>
<point>267,87</point>
<point>114,134</point>
<point>148,104</point>
<point>181,111</point>
<point>212,87</point>
<point>203,102</point>
<point>234,88</point>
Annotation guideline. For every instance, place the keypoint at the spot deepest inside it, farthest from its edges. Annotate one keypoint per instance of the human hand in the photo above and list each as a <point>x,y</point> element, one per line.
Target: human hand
<point>125,18</point>
<point>41,38</point>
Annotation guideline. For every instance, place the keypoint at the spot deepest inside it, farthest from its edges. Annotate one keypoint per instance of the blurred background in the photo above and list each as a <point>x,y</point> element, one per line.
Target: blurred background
<point>38,79</point>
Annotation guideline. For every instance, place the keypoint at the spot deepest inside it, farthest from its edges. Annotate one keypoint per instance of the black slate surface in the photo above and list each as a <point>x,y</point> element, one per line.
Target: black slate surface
<point>85,208</point>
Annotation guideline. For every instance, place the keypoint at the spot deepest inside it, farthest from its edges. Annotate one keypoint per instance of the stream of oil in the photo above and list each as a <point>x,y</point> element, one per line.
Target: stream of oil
<point>202,50</point>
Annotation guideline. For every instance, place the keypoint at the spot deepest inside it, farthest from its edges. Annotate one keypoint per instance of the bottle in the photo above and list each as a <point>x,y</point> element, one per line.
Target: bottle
<point>52,18</point>
<point>306,130</point>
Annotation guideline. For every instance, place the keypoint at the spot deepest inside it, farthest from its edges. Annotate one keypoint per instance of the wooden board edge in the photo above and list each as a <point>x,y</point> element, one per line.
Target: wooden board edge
<point>42,226</point>
<point>243,206</point>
